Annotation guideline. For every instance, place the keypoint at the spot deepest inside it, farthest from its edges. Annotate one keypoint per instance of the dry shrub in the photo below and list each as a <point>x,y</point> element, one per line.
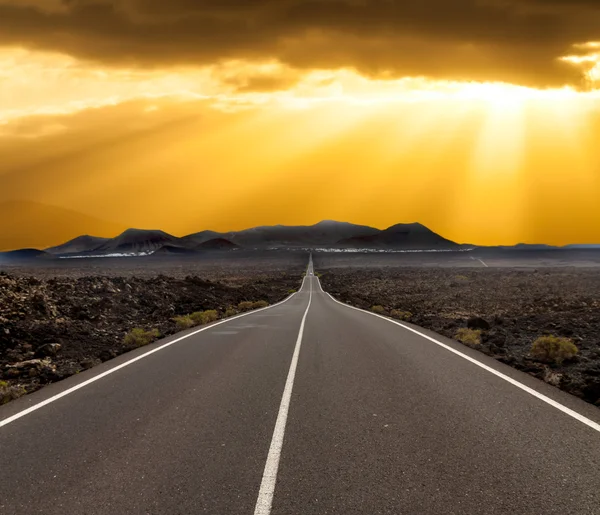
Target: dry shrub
<point>10,392</point>
<point>204,317</point>
<point>468,336</point>
<point>553,349</point>
<point>245,305</point>
<point>140,337</point>
<point>401,315</point>
<point>380,310</point>
<point>184,322</point>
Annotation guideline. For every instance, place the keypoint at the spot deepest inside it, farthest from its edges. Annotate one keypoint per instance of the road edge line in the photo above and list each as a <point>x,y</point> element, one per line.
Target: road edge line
<point>568,411</point>
<point>58,396</point>
<point>266,492</point>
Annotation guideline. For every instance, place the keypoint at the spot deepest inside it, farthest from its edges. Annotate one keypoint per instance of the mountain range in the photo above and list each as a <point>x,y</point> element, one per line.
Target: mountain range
<point>326,234</point>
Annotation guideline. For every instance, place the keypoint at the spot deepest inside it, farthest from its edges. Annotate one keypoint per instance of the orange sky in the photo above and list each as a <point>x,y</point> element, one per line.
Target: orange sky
<point>260,135</point>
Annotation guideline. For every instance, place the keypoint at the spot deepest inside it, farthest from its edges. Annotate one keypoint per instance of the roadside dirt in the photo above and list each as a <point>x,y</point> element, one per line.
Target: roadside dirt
<point>511,307</point>
<point>52,328</point>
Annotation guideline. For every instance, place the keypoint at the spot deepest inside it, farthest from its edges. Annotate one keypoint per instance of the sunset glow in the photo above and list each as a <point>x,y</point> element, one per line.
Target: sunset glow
<point>242,140</point>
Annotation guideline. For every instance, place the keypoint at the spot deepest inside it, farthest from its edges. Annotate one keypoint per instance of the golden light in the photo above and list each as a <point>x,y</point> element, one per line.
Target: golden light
<point>589,62</point>
<point>295,146</point>
<point>71,86</point>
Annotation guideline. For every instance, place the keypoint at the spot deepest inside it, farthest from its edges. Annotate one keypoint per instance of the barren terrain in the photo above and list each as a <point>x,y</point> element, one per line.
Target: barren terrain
<point>58,317</point>
<point>56,320</point>
<point>510,307</point>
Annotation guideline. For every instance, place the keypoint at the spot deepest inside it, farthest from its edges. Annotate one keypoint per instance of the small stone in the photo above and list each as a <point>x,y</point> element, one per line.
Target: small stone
<point>551,377</point>
<point>86,364</point>
<point>12,373</point>
<point>107,355</point>
<point>478,323</point>
<point>50,349</point>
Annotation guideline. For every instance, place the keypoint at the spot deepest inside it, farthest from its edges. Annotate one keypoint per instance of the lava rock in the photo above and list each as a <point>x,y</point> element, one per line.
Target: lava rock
<point>48,350</point>
<point>478,323</point>
<point>86,364</point>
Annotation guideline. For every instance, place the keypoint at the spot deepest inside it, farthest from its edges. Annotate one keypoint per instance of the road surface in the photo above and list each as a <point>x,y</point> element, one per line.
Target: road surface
<point>307,407</point>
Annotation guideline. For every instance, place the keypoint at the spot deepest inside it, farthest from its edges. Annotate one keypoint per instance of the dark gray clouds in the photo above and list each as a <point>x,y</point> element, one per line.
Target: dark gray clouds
<point>516,41</point>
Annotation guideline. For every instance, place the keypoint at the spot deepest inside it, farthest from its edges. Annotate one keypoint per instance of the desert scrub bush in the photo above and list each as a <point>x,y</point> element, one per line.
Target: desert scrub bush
<point>230,312</point>
<point>380,310</point>
<point>140,337</point>
<point>204,317</point>
<point>184,322</point>
<point>401,315</point>
<point>553,349</point>
<point>197,318</point>
<point>211,315</point>
<point>468,336</point>
<point>10,392</point>
<point>260,304</point>
<point>245,305</point>
<point>292,291</point>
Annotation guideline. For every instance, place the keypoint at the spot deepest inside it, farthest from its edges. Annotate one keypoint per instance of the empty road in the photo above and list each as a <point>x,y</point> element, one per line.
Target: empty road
<point>306,407</point>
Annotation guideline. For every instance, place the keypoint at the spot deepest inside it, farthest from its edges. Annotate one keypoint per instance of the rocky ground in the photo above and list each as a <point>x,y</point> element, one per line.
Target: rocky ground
<point>511,308</point>
<point>221,266</point>
<point>51,328</point>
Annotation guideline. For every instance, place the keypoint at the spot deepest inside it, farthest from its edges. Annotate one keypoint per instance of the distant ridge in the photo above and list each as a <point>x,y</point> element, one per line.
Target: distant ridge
<point>79,244</point>
<point>22,255</point>
<point>413,236</point>
<point>327,234</point>
<point>198,238</point>
<point>217,244</point>
<point>139,241</point>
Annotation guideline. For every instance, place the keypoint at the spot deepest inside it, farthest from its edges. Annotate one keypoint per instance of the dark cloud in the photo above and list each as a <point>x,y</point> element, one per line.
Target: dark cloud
<point>505,40</point>
<point>261,83</point>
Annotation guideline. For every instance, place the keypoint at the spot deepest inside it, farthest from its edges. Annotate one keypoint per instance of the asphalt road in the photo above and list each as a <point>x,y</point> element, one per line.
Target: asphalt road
<point>307,407</point>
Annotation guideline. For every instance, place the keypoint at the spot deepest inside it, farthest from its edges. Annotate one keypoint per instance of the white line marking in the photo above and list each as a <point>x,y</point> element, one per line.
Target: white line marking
<point>50,400</point>
<point>481,261</point>
<point>267,486</point>
<point>568,411</point>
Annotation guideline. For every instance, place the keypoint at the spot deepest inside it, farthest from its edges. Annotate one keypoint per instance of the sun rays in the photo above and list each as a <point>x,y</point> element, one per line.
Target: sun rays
<point>242,143</point>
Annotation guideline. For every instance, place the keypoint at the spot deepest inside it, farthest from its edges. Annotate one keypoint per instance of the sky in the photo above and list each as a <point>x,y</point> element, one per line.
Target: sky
<point>477,118</point>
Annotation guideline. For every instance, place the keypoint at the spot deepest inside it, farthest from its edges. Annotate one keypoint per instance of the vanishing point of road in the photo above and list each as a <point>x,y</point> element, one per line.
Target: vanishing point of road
<point>306,407</point>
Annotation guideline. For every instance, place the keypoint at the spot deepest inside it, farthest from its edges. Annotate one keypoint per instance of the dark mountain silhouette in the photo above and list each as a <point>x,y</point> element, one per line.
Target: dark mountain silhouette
<point>79,244</point>
<point>196,239</point>
<point>402,236</point>
<point>137,240</point>
<point>173,250</point>
<point>531,246</point>
<point>325,233</point>
<point>217,244</point>
<point>523,246</point>
<point>23,255</point>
